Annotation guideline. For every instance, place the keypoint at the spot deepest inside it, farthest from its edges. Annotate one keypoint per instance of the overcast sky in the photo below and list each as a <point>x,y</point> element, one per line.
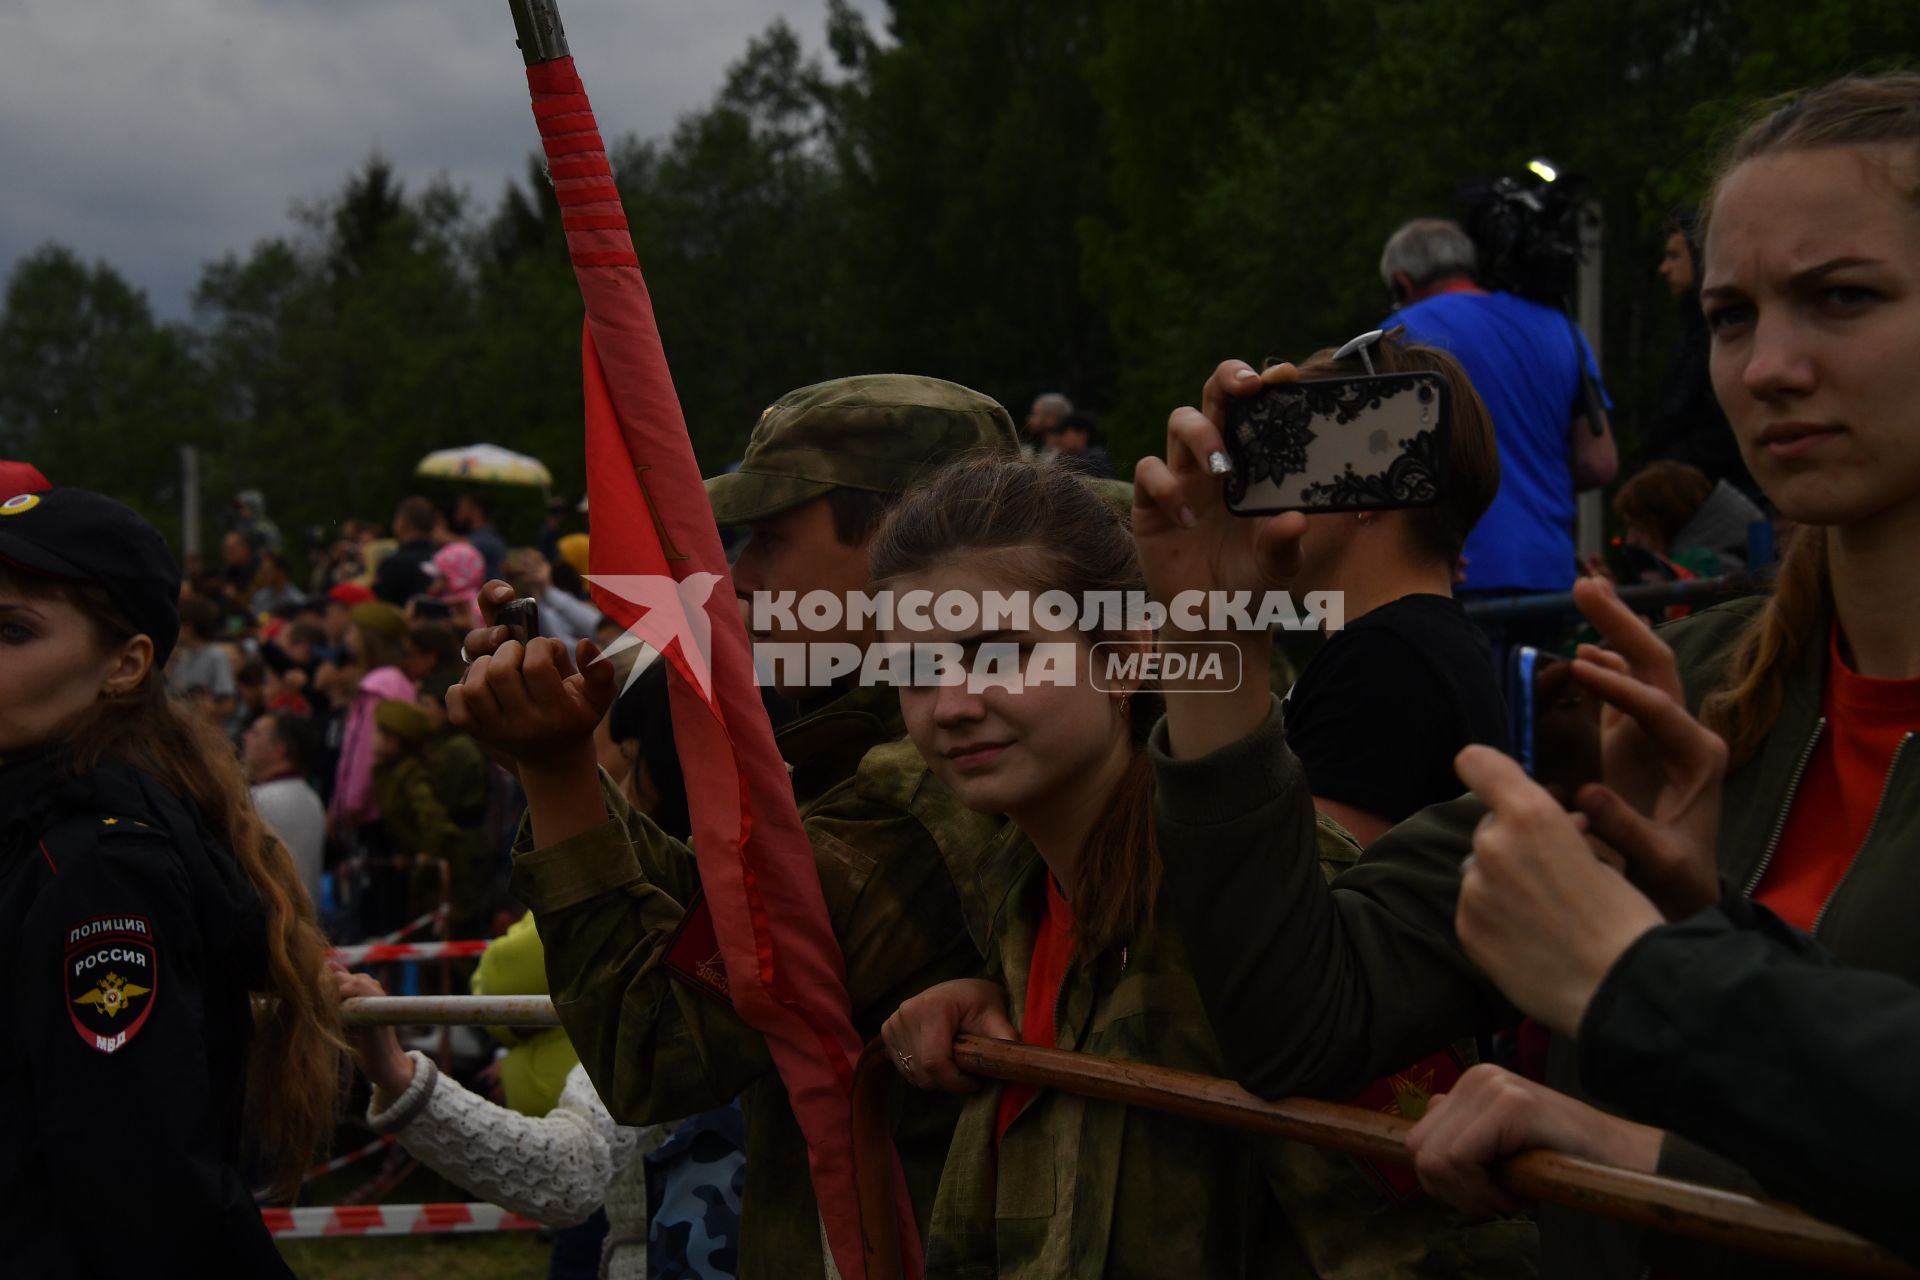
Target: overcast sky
<point>157,134</point>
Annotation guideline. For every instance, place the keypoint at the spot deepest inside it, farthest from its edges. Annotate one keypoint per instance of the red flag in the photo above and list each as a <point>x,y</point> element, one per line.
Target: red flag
<point>651,523</point>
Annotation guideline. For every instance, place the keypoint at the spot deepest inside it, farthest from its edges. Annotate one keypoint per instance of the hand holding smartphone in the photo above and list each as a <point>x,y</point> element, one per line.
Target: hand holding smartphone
<point>521,618</point>
<point>1372,443</point>
<point>1554,722</point>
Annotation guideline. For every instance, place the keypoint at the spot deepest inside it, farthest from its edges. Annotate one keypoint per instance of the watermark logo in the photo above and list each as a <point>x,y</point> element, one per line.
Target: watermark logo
<point>1213,665</point>
<point>671,612</point>
<point>1188,653</point>
<point>785,612</point>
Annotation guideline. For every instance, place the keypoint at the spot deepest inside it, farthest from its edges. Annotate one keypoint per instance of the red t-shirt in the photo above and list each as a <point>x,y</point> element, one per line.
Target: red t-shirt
<point>1053,945</point>
<point>1839,793</point>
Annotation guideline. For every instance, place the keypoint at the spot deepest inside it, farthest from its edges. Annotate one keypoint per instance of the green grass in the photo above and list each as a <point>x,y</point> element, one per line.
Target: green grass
<point>515,1255</point>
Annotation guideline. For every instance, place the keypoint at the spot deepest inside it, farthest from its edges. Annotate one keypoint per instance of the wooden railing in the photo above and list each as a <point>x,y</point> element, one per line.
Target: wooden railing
<point>1682,1208</point>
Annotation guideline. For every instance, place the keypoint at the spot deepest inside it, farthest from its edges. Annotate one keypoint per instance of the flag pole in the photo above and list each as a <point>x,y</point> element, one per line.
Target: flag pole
<point>761,898</point>
<point>537,30</point>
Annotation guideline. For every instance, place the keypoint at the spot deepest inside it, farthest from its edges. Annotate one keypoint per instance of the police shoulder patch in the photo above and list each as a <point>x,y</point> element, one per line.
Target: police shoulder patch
<point>110,973</point>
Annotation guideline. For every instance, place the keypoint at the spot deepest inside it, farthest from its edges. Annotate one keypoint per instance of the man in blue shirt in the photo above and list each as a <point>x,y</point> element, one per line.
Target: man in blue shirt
<point>1525,361</point>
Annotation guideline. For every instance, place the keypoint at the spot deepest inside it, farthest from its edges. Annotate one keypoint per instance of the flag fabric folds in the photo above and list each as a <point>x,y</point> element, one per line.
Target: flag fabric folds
<point>650,517</point>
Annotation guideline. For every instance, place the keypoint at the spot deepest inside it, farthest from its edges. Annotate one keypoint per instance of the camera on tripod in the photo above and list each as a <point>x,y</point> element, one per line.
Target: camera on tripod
<point>1526,231</point>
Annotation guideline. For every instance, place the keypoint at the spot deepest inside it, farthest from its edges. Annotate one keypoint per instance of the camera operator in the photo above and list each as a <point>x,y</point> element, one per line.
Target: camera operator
<point>1526,361</point>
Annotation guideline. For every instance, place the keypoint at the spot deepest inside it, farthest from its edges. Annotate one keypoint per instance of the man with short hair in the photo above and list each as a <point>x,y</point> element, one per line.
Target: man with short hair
<point>200,670</point>
<point>1686,423</point>
<point>429,647</point>
<point>473,520</point>
<point>1049,409</point>
<point>1526,362</point>
<point>250,518</point>
<point>896,852</point>
<point>273,588</point>
<point>404,573</point>
<point>1072,439</point>
<point>278,750</point>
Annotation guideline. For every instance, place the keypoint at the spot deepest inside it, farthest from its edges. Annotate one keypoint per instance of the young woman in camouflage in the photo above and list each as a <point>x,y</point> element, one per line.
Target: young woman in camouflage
<point>1053,1184</point>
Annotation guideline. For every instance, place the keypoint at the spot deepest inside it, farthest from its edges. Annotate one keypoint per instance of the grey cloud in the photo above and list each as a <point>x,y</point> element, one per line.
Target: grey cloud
<point>158,135</point>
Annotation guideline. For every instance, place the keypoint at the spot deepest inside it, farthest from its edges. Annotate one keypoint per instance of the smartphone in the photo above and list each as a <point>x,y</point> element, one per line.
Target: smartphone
<point>521,618</point>
<point>1554,723</point>
<point>1637,564</point>
<point>1372,443</point>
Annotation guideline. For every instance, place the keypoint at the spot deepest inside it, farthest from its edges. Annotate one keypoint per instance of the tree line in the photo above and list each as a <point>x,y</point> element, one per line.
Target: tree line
<point>1101,197</point>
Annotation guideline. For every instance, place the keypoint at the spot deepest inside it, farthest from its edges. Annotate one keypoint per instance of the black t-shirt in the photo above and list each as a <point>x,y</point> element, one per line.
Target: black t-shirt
<point>403,574</point>
<point>1385,705</point>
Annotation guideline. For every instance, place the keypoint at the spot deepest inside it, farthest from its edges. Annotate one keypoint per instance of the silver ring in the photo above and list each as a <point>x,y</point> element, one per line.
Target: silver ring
<point>464,659</point>
<point>1219,463</point>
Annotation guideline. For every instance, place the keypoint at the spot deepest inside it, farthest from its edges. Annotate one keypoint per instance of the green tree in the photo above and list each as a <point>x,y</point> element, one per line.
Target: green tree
<point>92,389</point>
<point>345,353</point>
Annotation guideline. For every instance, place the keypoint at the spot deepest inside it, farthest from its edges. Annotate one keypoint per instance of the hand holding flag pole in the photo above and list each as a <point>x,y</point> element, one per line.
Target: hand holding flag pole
<point>651,519</point>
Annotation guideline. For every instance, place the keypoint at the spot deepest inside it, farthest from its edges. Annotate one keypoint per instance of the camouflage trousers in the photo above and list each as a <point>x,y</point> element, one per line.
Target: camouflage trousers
<point>694,1181</point>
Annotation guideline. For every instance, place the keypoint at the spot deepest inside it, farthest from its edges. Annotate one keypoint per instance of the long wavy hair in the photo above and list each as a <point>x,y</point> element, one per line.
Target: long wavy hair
<point>1054,532</point>
<point>294,1071</point>
<point>1856,111</point>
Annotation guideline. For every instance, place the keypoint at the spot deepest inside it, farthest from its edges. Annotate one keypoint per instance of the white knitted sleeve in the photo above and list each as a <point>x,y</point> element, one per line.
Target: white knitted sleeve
<point>554,1168</point>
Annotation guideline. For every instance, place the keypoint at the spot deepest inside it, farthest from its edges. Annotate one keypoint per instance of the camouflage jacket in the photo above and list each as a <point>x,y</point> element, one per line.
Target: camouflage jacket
<point>1084,1187</point>
<point>897,856</point>
<point>415,820</point>
<point>459,774</point>
<point>457,768</point>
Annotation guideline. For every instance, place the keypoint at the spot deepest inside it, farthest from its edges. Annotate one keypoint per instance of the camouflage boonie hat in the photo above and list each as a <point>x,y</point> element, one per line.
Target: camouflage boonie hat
<point>879,432</point>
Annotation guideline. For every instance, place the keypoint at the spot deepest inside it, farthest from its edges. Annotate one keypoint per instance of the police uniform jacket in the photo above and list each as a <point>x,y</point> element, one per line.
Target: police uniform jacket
<point>130,940</point>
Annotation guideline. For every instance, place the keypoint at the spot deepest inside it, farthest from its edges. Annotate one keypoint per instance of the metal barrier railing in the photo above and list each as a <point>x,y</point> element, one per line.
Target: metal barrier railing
<point>1639,595</point>
<point>449,1011</point>
<point>1681,1208</point>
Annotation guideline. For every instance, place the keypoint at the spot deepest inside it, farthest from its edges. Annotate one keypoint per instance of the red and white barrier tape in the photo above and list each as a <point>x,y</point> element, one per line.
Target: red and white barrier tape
<point>340,1162</point>
<point>414,926</point>
<point>390,952</point>
<point>321,1221</point>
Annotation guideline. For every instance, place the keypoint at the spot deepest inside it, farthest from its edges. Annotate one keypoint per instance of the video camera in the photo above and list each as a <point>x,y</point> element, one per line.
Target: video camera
<point>1526,235</point>
<point>1526,231</point>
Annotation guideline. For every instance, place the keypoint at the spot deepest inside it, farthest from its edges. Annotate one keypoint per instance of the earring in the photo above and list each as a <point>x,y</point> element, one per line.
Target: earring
<point>1125,698</point>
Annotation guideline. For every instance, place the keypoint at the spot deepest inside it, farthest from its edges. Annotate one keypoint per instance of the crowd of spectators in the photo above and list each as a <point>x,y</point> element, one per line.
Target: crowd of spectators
<point>1282,884</point>
<point>332,682</point>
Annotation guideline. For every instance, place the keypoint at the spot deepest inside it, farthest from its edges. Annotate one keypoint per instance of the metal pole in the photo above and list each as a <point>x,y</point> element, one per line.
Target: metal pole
<point>1590,519</point>
<point>536,26</point>
<point>1638,595</point>
<point>456,1011</point>
<point>189,502</point>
